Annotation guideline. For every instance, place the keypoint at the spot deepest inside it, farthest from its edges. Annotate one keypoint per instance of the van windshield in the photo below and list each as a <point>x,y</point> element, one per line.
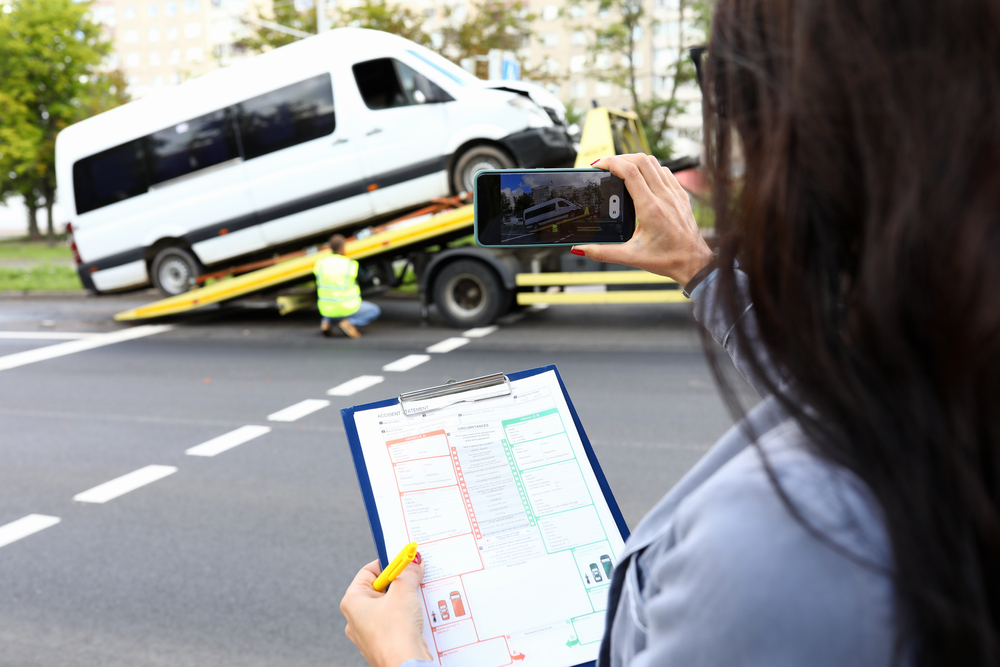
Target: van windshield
<point>446,67</point>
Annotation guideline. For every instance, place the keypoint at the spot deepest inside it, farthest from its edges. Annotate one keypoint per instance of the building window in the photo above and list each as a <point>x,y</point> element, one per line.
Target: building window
<point>549,38</point>
<point>130,36</point>
<point>637,33</point>
<point>157,80</point>
<point>580,89</point>
<point>128,12</point>
<point>603,13</point>
<point>153,11</point>
<point>579,38</point>
<point>154,34</point>
<point>132,59</point>
<point>154,58</point>
<point>175,57</point>
<point>192,30</point>
<point>603,61</point>
<point>603,89</point>
<point>134,80</point>
<point>550,12</point>
<point>194,54</point>
<point>175,78</point>
<point>577,11</point>
<point>192,6</point>
<point>172,33</point>
<point>637,60</point>
<point>577,63</point>
<point>638,86</point>
<point>170,8</point>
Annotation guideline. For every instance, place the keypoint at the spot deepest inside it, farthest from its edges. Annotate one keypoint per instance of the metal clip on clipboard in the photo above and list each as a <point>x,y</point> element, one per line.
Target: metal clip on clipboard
<point>427,400</point>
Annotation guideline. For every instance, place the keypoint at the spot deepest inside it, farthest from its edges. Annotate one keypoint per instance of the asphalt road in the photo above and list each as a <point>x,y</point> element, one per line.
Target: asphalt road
<point>242,558</point>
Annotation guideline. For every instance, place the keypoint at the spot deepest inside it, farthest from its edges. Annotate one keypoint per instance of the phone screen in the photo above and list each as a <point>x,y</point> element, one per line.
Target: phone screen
<point>552,207</point>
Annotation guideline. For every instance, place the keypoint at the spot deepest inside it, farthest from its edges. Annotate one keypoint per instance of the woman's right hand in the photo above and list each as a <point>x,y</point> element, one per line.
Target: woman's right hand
<point>666,239</point>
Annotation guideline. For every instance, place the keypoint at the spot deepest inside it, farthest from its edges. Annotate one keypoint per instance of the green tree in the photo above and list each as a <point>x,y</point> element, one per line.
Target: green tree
<point>371,14</point>
<point>262,38</point>
<point>50,60</point>
<point>616,44</point>
<point>523,201</point>
<point>491,24</point>
<point>377,15</point>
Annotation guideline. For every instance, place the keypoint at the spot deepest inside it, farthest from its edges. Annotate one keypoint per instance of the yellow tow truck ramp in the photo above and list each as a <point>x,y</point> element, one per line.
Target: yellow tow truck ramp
<point>300,269</point>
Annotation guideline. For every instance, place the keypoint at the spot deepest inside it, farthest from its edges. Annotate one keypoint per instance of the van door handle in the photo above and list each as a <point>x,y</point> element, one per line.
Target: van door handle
<point>373,131</point>
<point>342,140</point>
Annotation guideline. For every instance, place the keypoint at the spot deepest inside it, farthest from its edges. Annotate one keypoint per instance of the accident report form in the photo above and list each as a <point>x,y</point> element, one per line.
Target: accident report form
<point>518,538</point>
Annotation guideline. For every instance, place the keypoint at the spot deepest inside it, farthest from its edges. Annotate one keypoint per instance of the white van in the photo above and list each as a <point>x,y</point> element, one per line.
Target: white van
<point>285,147</point>
<point>552,211</point>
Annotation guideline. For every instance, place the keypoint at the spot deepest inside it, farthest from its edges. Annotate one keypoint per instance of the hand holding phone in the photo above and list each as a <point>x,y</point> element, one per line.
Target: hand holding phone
<point>666,241</point>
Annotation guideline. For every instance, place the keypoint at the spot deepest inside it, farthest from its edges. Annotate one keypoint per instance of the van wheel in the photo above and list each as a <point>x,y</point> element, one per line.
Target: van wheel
<point>473,161</point>
<point>174,270</point>
<point>469,294</point>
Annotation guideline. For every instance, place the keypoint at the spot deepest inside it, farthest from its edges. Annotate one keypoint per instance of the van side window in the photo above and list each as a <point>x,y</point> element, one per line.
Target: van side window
<point>192,145</point>
<point>109,176</point>
<point>385,83</point>
<point>287,116</point>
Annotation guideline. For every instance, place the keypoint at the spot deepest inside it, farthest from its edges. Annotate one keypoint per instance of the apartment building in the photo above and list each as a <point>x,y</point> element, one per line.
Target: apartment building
<point>561,47</point>
<point>163,42</point>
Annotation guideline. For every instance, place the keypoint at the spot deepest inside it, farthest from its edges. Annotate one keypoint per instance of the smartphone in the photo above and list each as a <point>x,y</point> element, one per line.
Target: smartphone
<point>551,207</point>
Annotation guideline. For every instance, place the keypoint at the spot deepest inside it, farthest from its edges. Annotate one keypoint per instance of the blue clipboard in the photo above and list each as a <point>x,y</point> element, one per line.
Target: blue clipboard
<point>360,467</point>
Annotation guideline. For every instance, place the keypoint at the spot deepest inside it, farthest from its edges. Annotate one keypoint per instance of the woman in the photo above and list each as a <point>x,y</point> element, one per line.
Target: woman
<point>853,517</point>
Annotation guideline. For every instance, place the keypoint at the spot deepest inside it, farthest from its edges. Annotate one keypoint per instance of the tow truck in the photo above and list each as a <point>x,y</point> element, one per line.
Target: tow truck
<point>469,285</point>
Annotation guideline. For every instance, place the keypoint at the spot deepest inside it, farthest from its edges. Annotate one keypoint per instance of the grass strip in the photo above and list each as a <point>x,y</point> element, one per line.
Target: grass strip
<point>40,278</point>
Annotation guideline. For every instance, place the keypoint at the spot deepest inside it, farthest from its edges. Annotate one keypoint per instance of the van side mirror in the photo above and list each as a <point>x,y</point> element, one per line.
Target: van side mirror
<point>419,97</point>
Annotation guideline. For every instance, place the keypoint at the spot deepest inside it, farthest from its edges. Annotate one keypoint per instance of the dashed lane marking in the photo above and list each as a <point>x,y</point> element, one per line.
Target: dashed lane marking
<point>74,346</point>
<point>351,387</point>
<point>299,410</point>
<point>226,442</point>
<point>122,485</point>
<point>479,332</point>
<point>447,345</point>
<point>44,335</point>
<point>25,526</point>
<point>407,362</point>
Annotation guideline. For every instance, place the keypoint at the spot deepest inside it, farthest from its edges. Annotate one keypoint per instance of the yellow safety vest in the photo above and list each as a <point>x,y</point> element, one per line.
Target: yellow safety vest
<point>337,286</point>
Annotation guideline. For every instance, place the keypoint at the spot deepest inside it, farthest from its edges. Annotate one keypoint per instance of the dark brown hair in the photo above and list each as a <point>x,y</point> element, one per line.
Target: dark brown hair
<point>337,242</point>
<point>855,150</point>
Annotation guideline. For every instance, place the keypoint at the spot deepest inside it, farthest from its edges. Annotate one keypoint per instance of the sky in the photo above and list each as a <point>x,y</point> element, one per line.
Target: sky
<point>513,185</point>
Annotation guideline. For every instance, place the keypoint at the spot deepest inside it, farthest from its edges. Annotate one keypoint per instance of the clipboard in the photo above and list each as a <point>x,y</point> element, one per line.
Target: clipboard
<point>475,394</point>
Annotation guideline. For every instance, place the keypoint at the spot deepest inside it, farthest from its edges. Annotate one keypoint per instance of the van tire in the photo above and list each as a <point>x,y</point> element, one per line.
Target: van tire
<point>469,294</point>
<point>174,269</point>
<point>475,159</point>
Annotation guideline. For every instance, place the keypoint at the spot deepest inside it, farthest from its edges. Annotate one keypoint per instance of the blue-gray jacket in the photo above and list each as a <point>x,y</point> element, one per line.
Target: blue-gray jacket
<point>720,573</point>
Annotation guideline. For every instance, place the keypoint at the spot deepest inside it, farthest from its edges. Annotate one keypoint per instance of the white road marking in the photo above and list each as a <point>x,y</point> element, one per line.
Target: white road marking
<point>299,410</point>
<point>479,332</point>
<point>359,383</point>
<point>122,485</point>
<point>407,362</point>
<point>44,335</point>
<point>25,526</point>
<point>448,344</point>
<point>72,347</point>
<point>228,441</point>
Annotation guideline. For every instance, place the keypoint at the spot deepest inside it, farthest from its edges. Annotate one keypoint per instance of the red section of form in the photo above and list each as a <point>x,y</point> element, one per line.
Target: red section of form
<point>465,493</point>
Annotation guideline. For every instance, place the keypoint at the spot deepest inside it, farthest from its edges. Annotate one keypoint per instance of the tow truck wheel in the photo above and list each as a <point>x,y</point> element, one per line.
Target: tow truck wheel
<point>469,294</point>
<point>174,269</point>
<point>473,161</point>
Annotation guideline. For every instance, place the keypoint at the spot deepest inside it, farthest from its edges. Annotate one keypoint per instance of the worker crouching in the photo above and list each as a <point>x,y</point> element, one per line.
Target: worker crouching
<point>339,294</point>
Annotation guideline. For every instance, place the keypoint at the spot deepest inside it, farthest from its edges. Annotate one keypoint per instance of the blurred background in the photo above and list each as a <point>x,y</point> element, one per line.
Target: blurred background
<point>62,61</point>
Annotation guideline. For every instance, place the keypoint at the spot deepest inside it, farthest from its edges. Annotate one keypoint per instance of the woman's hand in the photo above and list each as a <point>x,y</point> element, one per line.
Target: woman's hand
<point>666,239</point>
<point>387,627</point>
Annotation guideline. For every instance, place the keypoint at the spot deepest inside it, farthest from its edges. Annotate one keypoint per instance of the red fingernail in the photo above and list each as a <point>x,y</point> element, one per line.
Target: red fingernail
<point>596,161</point>
<point>417,559</point>
<point>577,251</point>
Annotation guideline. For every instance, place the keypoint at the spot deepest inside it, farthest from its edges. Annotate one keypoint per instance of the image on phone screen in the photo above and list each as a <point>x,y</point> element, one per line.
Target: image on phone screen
<point>550,207</point>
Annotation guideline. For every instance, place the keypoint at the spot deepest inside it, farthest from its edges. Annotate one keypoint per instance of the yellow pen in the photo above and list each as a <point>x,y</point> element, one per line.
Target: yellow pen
<point>396,567</point>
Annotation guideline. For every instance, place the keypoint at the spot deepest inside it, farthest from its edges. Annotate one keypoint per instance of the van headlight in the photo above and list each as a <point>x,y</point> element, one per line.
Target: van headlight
<point>536,115</point>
